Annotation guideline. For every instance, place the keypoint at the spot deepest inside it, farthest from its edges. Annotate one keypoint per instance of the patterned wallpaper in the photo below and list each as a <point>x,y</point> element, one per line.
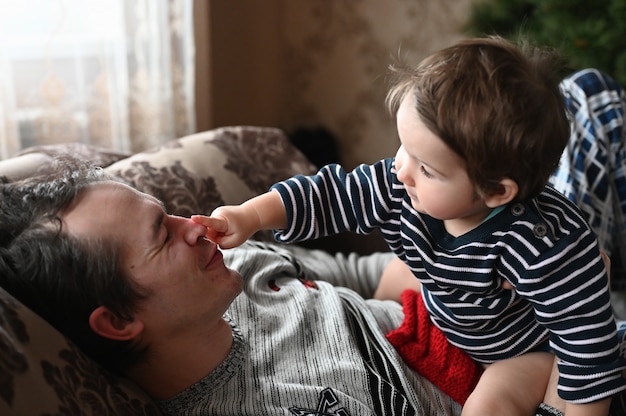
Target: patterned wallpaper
<point>337,54</point>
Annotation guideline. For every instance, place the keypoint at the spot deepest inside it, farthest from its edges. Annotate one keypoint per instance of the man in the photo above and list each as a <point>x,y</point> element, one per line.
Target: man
<point>148,296</point>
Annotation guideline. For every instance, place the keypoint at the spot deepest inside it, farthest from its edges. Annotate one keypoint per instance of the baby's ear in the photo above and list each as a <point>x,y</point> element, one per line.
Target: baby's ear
<point>108,325</point>
<point>504,192</point>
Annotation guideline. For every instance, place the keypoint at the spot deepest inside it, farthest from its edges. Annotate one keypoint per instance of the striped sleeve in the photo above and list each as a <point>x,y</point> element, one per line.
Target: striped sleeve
<point>333,201</point>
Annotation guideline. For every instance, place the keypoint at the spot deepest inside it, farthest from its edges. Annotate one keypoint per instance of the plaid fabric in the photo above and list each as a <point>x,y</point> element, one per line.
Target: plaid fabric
<point>592,170</point>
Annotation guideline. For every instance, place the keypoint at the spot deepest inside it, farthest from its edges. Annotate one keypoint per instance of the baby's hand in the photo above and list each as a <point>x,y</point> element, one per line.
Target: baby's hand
<point>215,226</point>
<point>228,226</point>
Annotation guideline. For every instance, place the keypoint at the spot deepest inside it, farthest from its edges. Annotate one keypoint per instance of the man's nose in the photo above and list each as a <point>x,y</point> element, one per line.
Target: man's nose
<point>192,231</point>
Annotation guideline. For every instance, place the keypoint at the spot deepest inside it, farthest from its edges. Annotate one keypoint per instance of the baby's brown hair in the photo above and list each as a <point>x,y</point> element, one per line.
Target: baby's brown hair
<point>496,104</point>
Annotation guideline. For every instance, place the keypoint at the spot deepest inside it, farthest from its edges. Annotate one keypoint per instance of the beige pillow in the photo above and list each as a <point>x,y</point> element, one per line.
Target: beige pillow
<point>41,373</point>
<point>228,165</point>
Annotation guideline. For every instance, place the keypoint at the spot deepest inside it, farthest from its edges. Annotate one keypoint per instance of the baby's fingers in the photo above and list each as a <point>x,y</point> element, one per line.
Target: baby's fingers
<point>216,227</point>
<point>218,224</point>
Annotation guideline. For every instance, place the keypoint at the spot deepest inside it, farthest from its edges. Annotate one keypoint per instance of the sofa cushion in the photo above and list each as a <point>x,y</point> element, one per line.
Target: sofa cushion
<point>228,165</point>
<point>42,373</point>
<point>38,159</point>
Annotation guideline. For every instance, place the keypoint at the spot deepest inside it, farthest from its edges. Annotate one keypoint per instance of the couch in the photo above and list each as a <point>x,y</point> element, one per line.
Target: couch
<point>43,373</point>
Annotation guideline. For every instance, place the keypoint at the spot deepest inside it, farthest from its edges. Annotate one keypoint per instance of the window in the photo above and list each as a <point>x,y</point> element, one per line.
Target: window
<point>111,73</point>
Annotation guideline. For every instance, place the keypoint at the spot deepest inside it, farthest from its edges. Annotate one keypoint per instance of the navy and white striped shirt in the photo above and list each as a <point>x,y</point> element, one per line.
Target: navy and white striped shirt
<point>543,247</point>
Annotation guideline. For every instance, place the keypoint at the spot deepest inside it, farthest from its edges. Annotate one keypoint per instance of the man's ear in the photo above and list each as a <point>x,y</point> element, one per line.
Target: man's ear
<point>108,325</point>
<point>505,191</point>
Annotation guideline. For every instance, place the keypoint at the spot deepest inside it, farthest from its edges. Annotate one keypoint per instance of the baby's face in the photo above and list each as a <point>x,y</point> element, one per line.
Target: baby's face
<point>434,176</point>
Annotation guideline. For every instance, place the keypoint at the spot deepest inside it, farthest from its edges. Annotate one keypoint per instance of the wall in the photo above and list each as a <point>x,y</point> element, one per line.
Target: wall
<point>309,63</point>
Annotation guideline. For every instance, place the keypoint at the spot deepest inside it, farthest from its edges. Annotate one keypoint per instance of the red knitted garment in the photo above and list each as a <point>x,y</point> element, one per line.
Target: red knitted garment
<point>426,349</point>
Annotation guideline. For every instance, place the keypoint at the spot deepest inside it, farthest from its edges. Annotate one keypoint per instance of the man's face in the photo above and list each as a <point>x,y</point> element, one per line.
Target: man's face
<point>184,273</point>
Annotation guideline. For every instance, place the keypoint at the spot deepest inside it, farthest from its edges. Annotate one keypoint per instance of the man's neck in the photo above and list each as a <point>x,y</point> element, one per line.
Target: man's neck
<point>173,365</point>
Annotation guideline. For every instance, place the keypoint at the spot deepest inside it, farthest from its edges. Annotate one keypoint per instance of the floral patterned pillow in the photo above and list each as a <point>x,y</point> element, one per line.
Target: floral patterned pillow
<point>228,165</point>
<point>42,373</point>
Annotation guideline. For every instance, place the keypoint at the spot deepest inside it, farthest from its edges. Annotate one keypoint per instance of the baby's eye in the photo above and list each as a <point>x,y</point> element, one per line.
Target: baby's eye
<point>426,173</point>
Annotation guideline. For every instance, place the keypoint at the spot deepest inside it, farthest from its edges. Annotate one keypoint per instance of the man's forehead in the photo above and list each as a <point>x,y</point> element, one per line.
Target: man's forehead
<point>103,205</point>
<point>126,190</point>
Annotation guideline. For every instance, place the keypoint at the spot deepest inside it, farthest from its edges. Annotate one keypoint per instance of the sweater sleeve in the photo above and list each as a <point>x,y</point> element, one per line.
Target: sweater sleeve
<point>333,201</point>
<point>570,294</point>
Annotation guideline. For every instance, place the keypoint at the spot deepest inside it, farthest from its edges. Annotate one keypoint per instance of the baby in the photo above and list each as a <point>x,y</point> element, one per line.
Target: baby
<point>507,267</point>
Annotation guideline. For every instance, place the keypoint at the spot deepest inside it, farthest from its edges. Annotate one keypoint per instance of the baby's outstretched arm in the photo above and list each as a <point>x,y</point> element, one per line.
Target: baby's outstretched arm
<point>230,226</point>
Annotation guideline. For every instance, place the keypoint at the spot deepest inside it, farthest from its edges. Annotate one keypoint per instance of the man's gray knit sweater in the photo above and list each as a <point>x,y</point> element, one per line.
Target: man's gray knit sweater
<point>308,347</point>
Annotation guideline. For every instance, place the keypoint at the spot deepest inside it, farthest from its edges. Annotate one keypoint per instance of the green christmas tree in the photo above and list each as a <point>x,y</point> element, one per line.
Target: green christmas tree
<point>588,33</point>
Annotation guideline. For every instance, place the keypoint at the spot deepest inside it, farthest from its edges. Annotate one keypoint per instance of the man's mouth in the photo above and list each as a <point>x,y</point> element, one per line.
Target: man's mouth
<point>214,256</point>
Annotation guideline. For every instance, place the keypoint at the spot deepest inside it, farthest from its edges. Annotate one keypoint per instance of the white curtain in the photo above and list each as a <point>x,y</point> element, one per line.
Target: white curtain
<point>117,74</point>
